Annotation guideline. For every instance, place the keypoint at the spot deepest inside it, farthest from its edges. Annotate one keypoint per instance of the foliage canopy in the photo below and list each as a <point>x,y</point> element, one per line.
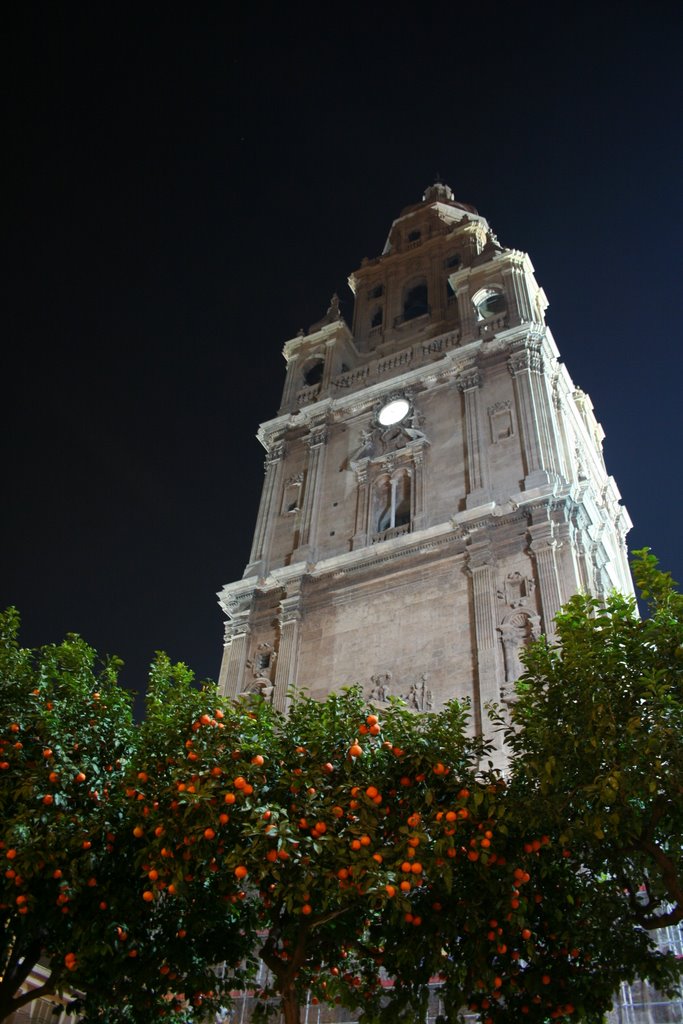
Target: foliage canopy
<point>363,854</point>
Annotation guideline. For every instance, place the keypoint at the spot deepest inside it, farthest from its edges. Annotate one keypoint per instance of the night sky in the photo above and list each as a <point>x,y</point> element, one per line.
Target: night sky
<point>186,190</point>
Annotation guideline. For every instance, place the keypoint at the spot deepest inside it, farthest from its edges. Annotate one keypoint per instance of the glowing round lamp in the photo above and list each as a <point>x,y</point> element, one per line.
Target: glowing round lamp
<point>393,412</point>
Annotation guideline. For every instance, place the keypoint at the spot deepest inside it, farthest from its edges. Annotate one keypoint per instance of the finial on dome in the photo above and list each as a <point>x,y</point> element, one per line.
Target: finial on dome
<point>438,191</point>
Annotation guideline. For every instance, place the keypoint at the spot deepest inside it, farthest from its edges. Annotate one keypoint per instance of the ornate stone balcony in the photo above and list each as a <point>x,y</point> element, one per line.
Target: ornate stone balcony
<point>391,534</point>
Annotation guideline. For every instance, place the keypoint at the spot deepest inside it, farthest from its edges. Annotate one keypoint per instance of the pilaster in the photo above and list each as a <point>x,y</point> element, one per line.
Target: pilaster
<point>517,289</point>
<point>469,384</point>
<point>289,619</point>
<point>465,307</point>
<point>526,368</point>
<point>237,633</point>
<point>292,380</point>
<point>316,442</point>
<point>267,510</point>
<point>329,365</point>
<point>419,512</point>
<point>482,571</point>
<point>360,533</point>
<point>544,547</point>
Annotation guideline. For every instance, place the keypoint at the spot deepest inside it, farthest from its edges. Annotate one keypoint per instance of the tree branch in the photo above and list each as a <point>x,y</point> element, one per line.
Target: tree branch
<point>669,876</point>
<point>9,1004</point>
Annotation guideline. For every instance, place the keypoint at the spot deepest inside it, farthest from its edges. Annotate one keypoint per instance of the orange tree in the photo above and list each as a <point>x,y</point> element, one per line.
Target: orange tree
<point>65,734</point>
<point>69,892</point>
<point>382,860</point>
<point>368,857</point>
<point>596,742</point>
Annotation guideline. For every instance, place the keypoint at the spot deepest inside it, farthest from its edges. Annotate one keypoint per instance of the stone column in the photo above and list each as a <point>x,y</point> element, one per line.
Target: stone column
<point>481,569</point>
<point>237,633</point>
<point>526,366</point>
<point>544,548</point>
<point>419,514</point>
<point>288,650</point>
<point>469,383</point>
<point>267,510</point>
<point>360,533</point>
<point>316,441</point>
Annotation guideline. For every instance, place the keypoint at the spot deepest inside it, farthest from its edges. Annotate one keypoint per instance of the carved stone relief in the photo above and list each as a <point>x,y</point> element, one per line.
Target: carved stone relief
<point>501,422</point>
<point>420,697</point>
<point>380,441</point>
<point>516,590</point>
<point>413,690</point>
<point>291,497</point>
<point>380,687</point>
<point>261,664</point>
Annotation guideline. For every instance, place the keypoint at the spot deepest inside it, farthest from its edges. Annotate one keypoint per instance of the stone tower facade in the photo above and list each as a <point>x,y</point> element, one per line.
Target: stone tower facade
<point>434,482</point>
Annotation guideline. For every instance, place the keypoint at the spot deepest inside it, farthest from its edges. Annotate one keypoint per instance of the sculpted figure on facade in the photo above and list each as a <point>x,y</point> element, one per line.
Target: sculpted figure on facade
<point>380,687</point>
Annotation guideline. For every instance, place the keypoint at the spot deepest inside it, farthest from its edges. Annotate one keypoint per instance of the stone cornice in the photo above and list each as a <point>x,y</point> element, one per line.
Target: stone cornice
<point>423,376</point>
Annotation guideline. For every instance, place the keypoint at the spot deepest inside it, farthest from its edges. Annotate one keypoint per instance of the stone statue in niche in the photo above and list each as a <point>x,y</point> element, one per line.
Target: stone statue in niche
<point>366,450</point>
<point>516,632</point>
<point>381,687</point>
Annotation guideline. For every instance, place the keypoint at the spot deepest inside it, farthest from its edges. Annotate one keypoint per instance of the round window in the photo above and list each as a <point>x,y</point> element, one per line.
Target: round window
<point>393,412</point>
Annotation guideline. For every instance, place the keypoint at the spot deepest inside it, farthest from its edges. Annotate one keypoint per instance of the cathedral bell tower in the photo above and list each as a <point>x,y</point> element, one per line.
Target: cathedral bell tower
<point>434,483</point>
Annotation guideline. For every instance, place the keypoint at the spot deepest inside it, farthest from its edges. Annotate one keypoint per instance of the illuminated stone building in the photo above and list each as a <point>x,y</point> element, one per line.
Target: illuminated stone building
<point>434,482</point>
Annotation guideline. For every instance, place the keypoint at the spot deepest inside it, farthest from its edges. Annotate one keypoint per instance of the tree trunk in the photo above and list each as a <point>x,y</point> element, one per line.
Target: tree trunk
<point>290,1006</point>
<point>16,974</point>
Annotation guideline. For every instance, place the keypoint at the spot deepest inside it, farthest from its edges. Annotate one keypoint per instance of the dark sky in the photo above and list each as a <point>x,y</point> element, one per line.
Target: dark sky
<point>187,188</point>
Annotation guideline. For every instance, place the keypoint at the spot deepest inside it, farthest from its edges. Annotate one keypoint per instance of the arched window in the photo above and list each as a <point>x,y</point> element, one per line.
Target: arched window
<point>313,373</point>
<point>415,302</point>
<point>376,319</point>
<point>488,303</point>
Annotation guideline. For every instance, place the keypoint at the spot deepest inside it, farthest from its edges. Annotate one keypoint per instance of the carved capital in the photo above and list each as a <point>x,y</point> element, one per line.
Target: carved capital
<point>480,556</point>
<point>234,628</point>
<point>544,545</point>
<point>237,606</point>
<point>276,452</point>
<point>317,436</point>
<point>361,471</point>
<point>289,613</point>
<point>527,358</point>
<point>468,380</point>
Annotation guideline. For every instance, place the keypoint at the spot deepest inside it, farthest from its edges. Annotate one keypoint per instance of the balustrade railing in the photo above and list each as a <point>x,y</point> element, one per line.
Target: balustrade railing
<point>391,533</point>
<point>493,324</point>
